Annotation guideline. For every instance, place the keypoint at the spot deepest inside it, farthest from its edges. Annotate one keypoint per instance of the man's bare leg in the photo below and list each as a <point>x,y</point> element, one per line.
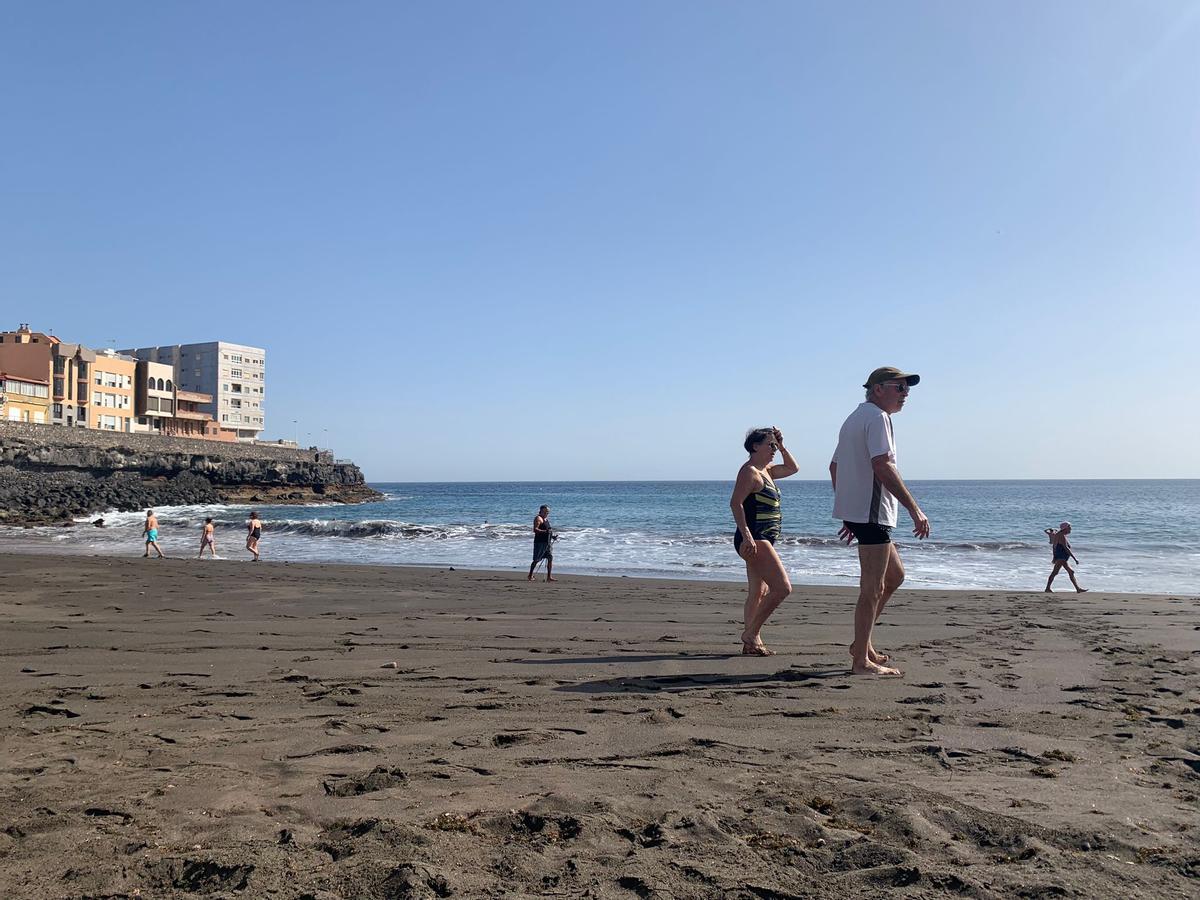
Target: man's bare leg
<point>873,563</point>
<point>550,569</point>
<point>893,577</point>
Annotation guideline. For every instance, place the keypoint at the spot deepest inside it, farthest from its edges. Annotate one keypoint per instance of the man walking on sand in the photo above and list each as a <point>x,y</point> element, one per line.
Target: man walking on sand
<point>151,533</point>
<point>867,490</point>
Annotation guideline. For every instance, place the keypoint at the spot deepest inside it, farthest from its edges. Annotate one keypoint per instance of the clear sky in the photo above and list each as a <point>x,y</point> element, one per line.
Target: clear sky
<point>593,240</point>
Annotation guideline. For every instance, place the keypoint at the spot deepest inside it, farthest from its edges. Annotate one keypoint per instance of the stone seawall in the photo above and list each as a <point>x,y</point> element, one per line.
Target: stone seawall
<point>51,473</point>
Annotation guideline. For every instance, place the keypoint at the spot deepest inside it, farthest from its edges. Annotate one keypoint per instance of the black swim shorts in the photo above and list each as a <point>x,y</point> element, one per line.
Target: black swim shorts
<point>867,533</point>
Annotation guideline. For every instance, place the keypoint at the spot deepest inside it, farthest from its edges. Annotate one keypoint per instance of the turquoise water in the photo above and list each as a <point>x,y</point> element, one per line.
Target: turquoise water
<point>1129,535</point>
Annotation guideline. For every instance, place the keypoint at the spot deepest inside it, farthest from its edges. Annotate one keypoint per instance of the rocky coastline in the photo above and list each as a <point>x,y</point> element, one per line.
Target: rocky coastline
<point>51,474</point>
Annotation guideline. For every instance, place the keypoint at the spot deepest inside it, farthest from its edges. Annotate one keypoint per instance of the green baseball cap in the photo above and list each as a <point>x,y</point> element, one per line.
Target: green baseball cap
<point>891,373</point>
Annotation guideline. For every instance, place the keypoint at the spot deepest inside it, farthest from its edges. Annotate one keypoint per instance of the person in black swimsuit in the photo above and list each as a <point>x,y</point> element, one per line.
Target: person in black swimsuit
<point>253,533</point>
<point>757,513</point>
<point>543,535</point>
<point>1062,554</point>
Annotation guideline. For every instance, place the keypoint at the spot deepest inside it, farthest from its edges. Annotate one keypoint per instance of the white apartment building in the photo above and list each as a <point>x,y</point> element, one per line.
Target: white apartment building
<point>233,374</point>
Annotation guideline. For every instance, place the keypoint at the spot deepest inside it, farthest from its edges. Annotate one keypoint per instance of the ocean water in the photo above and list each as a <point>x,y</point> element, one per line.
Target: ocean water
<point>1139,536</point>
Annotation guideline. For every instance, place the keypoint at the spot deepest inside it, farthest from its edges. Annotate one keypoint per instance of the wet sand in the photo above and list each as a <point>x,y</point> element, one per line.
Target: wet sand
<point>218,728</point>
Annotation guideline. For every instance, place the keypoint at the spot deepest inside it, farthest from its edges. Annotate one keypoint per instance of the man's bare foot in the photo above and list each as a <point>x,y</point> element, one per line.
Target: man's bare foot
<point>530,578</point>
<point>1081,590</point>
<point>548,578</point>
<point>872,654</point>
<point>1048,591</point>
<point>866,667</point>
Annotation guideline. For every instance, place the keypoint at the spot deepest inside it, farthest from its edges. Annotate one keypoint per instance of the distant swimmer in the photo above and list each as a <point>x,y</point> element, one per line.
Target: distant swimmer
<point>866,488</point>
<point>758,514</point>
<point>151,532</point>
<point>254,530</point>
<point>1062,552</point>
<point>208,539</point>
<point>543,540</point>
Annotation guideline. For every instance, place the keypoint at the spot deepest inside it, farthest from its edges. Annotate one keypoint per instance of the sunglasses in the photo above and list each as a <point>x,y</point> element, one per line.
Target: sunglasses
<point>902,387</point>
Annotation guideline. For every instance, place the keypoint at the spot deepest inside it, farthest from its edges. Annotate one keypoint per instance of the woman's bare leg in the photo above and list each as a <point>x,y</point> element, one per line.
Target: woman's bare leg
<point>767,565</point>
<point>1058,564</point>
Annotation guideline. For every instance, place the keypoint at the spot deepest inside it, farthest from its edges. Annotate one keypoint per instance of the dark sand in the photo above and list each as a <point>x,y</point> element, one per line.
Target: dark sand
<point>225,729</point>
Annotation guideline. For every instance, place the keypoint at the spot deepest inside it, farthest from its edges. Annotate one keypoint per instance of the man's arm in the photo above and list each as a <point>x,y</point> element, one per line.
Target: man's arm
<point>539,525</point>
<point>889,476</point>
<point>833,474</point>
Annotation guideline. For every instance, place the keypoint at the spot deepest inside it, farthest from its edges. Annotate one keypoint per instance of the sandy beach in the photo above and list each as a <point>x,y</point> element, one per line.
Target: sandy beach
<point>219,728</point>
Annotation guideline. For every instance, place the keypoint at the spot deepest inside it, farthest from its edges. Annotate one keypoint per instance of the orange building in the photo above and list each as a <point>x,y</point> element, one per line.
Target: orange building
<point>43,357</point>
<point>111,405</point>
<point>24,399</point>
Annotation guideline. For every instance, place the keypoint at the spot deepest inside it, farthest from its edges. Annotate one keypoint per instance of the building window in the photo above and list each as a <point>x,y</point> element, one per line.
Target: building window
<point>150,384</point>
<point>235,373</point>
<point>236,388</point>
<point>169,387</point>
<point>58,410</point>
<point>58,387</point>
<point>39,416</point>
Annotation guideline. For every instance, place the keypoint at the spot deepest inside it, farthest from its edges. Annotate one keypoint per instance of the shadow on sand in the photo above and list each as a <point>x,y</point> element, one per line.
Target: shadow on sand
<point>620,658</point>
<point>650,684</point>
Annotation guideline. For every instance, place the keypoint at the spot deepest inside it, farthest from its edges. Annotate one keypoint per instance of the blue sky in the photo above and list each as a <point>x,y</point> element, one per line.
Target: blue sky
<point>601,240</point>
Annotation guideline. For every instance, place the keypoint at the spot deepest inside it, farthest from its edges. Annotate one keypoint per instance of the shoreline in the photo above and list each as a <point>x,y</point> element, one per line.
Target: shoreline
<point>314,730</point>
<point>797,587</point>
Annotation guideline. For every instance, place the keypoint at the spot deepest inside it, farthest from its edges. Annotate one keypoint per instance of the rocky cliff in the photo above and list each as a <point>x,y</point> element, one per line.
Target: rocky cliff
<point>51,473</point>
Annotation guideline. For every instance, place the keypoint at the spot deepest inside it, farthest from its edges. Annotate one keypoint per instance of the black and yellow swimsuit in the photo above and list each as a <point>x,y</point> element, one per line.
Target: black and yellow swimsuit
<point>764,516</point>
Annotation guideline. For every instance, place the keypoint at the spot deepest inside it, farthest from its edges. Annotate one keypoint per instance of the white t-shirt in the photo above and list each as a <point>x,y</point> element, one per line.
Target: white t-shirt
<point>858,495</point>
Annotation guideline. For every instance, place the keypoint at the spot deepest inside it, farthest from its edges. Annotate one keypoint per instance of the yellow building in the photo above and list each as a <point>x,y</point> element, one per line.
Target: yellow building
<point>111,404</point>
<point>24,399</point>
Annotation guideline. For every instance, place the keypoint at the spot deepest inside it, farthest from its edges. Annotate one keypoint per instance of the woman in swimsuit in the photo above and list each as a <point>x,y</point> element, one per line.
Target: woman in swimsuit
<point>1062,554</point>
<point>253,533</point>
<point>756,512</point>
<point>208,539</point>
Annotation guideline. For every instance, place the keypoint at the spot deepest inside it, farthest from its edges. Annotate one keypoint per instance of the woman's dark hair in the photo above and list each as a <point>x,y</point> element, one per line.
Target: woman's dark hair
<point>757,436</point>
<point>209,519</point>
<point>254,514</point>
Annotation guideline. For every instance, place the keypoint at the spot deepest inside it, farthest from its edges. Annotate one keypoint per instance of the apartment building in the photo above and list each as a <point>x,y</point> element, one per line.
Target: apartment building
<point>71,366</point>
<point>191,421</point>
<point>153,396</point>
<point>111,404</point>
<point>24,399</point>
<point>234,375</point>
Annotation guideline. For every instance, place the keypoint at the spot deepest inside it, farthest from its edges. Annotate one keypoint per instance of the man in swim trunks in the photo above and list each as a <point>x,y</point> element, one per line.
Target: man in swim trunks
<point>867,490</point>
<point>208,539</point>
<point>543,537</point>
<point>151,533</point>
<point>1062,554</point>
